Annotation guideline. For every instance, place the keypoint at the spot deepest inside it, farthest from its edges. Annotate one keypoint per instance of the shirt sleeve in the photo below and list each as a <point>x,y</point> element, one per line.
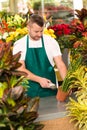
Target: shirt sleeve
<point>52,48</point>
<point>55,48</point>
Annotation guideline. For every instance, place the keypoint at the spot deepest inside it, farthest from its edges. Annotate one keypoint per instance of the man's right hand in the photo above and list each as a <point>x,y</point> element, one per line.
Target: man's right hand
<point>44,82</point>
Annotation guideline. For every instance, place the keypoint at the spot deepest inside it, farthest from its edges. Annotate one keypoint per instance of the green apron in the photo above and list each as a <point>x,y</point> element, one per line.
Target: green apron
<point>37,62</point>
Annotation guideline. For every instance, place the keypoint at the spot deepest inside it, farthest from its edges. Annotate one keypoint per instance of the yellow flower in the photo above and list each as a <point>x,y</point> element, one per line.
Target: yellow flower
<point>10,38</point>
<point>16,21</point>
<point>22,30</point>
<point>13,36</point>
<point>49,32</point>
<point>54,36</point>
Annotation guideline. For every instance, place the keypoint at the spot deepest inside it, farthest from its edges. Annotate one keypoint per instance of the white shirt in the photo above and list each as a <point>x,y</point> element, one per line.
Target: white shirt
<point>51,46</point>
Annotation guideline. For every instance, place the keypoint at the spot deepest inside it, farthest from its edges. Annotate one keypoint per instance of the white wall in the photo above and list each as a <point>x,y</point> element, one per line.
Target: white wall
<point>77,4</point>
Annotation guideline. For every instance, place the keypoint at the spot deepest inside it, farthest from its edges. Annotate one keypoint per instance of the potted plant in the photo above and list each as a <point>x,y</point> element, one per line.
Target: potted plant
<point>77,108</point>
<point>65,88</point>
<point>17,111</point>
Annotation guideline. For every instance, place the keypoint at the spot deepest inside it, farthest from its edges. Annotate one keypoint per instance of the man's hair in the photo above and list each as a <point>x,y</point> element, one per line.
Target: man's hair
<point>35,18</point>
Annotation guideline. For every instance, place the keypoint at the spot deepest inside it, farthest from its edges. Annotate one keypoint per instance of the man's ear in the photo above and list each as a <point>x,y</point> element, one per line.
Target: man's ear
<point>28,27</point>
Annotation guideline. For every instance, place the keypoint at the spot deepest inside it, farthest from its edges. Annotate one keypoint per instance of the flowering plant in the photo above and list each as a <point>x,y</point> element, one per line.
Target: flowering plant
<point>63,35</point>
<point>12,28</point>
<point>17,34</point>
<point>61,29</point>
<point>74,34</point>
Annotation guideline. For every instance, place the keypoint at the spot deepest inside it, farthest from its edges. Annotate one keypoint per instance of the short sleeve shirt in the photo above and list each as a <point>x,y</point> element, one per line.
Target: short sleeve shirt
<point>51,47</point>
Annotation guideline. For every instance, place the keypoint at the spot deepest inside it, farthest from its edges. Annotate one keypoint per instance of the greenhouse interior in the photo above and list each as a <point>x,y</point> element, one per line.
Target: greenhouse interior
<point>43,64</point>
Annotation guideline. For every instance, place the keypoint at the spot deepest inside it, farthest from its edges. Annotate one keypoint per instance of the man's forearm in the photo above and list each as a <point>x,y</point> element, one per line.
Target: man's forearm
<point>63,72</point>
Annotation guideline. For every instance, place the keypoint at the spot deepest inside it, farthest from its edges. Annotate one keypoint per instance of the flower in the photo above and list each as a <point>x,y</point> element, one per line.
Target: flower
<point>62,32</point>
<point>16,21</point>
<point>74,34</point>
<point>4,30</point>
<point>49,32</point>
<point>61,29</point>
<point>12,28</point>
<point>17,34</point>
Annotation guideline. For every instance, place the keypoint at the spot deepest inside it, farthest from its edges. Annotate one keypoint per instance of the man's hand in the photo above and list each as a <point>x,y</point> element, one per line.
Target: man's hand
<point>45,83</point>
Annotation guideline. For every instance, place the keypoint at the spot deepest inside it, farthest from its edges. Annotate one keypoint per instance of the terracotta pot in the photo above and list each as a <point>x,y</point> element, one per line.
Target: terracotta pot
<point>61,95</point>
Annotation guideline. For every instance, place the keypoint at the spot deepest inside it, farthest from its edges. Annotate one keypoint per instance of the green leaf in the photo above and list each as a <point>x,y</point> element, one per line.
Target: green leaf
<point>11,101</point>
<point>3,86</point>
<point>2,125</point>
<point>20,128</point>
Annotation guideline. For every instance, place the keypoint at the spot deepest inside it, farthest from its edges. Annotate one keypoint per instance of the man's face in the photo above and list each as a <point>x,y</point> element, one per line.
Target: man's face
<point>35,31</point>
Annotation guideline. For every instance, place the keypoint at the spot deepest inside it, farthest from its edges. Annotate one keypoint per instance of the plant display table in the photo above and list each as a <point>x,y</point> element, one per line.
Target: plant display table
<point>53,114</point>
<point>50,108</point>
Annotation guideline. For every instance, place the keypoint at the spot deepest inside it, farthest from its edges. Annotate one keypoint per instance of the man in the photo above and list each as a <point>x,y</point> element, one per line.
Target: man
<point>39,54</point>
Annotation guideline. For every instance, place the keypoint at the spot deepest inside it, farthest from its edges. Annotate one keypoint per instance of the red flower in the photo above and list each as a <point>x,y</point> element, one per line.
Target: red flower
<point>61,29</point>
<point>59,33</point>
